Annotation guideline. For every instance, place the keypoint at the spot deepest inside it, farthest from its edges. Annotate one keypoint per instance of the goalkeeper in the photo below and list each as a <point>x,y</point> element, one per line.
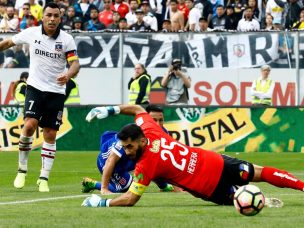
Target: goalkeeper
<point>205,174</point>
<point>115,166</point>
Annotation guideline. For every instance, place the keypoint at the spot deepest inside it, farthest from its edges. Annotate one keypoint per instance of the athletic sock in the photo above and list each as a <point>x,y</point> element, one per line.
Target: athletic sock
<point>47,159</point>
<point>25,146</point>
<point>281,178</point>
<point>98,185</point>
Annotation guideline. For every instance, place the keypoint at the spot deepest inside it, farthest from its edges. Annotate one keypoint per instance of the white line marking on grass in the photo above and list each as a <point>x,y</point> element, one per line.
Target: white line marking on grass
<point>42,199</point>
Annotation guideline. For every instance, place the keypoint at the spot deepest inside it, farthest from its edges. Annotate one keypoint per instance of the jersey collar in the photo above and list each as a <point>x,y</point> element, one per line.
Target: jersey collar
<point>55,35</point>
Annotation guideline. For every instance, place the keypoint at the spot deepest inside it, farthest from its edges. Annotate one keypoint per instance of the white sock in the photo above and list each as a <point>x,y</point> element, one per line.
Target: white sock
<point>47,158</point>
<point>25,146</point>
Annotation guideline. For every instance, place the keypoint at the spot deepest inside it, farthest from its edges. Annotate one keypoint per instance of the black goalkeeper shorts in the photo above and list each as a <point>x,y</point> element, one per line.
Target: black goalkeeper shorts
<point>235,173</point>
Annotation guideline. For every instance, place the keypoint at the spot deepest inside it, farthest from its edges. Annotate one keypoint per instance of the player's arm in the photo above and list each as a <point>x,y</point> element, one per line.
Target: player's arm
<point>105,111</point>
<point>108,171</point>
<point>126,199</point>
<point>5,44</point>
<point>73,70</point>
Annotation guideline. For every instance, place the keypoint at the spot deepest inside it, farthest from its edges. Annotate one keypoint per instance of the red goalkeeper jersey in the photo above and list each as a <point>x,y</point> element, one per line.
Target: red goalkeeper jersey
<point>196,170</point>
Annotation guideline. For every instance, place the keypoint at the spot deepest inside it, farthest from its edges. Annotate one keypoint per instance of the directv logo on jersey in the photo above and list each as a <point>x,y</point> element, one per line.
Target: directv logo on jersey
<point>58,46</point>
<point>47,54</point>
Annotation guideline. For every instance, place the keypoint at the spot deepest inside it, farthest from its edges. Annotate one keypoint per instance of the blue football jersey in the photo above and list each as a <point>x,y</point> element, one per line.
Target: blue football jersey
<point>109,142</point>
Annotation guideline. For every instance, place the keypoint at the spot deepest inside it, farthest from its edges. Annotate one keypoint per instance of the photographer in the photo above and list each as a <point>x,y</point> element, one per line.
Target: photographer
<point>176,81</point>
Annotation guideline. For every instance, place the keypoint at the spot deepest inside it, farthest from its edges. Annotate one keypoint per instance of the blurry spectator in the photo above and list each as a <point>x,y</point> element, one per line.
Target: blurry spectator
<point>122,24</point>
<point>276,9</point>
<point>205,8</point>
<point>106,16</point>
<point>203,24</point>
<point>262,88</point>
<point>176,82</point>
<point>9,22</point>
<point>300,23</point>
<point>183,8</point>
<point>83,9</point>
<point>149,18</point>
<point>293,12</point>
<point>139,25</point>
<point>232,17</point>
<point>20,60</point>
<point>256,12</point>
<point>31,21</point>
<point>139,86</point>
<point>131,17</point>
<point>99,4</point>
<point>26,14</point>
<point>93,24</point>
<point>77,23</point>
<point>158,7</point>
<point>176,17</point>
<point>121,7</point>
<point>116,17</point>
<point>214,4</point>
<point>220,21</point>
<point>277,25</point>
<point>9,57</point>
<point>268,23</point>
<point>62,11</point>
<point>19,88</point>
<point>36,10</point>
<point>194,16</point>
<point>166,27</point>
<point>67,20</point>
<point>248,23</point>
<point>2,10</point>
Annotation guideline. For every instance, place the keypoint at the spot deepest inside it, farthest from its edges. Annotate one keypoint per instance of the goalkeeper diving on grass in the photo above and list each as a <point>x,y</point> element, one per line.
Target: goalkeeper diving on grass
<point>205,174</point>
<point>115,166</point>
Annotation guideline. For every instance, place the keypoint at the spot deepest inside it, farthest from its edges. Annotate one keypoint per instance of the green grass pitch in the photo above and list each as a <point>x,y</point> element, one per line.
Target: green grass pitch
<point>155,209</point>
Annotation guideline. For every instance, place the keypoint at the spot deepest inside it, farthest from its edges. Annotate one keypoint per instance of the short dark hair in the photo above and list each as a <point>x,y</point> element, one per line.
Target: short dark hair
<point>131,131</point>
<point>52,5</point>
<point>154,108</point>
<point>24,75</point>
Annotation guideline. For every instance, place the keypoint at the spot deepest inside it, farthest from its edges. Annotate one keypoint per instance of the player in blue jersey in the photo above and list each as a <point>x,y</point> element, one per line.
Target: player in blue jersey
<point>115,166</point>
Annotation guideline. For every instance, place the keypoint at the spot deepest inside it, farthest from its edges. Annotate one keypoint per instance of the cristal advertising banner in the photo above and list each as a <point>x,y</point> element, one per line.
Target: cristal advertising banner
<point>219,129</point>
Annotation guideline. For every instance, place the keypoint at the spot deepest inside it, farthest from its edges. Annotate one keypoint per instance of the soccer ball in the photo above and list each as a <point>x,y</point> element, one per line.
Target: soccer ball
<point>249,200</point>
<point>91,201</point>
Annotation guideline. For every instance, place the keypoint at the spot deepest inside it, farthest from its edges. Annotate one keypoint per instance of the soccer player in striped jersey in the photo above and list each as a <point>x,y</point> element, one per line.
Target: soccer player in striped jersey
<point>205,174</point>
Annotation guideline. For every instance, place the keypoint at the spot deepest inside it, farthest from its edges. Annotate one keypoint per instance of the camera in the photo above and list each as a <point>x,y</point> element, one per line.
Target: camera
<point>177,64</point>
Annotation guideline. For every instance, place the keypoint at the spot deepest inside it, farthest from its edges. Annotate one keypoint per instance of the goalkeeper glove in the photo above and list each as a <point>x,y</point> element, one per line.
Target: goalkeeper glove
<point>102,112</point>
<point>95,201</point>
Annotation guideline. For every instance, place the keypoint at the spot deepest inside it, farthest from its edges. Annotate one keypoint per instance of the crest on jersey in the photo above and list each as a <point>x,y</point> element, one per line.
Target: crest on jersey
<point>58,46</point>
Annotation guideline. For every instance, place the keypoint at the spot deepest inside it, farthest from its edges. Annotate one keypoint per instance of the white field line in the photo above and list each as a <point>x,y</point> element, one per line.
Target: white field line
<point>86,195</point>
<point>43,199</point>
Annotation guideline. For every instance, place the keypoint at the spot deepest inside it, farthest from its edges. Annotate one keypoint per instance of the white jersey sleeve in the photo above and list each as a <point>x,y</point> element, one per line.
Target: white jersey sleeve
<point>23,37</point>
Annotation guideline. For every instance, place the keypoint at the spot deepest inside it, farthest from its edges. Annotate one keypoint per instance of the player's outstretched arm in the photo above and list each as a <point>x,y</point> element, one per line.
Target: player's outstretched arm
<point>126,199</point>
<point>105,111</point>
<point>5,44</point>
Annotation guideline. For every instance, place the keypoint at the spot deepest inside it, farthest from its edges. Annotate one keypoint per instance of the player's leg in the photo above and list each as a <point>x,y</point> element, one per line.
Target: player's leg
<point>50,122</point>
<point>31,115</point>
<point>277,177</point>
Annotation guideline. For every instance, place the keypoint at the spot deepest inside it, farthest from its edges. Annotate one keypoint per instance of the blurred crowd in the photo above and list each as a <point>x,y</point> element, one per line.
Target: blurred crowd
<point>158,15</point>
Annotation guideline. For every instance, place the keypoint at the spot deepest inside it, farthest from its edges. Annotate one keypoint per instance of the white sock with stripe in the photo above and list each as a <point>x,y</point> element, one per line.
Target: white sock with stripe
<point>47,158</point>
<point>25,146</point>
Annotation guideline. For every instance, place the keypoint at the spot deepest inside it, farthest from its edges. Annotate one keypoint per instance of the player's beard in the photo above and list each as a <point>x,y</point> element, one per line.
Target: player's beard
<point>139,153</point>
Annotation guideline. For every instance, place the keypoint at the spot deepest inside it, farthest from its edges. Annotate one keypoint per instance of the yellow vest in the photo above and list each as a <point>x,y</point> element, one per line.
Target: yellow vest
<point>74,97</point>
<point>19,97</point>
<point>135,88</point>
<point>264,89</point>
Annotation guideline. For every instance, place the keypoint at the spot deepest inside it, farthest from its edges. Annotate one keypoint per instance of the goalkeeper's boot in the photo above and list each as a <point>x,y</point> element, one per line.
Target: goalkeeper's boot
<point>43,185</point>
<point>273,202</point>
<point>20,179</point>
<point>168,188</point>
<point>88,184</point>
